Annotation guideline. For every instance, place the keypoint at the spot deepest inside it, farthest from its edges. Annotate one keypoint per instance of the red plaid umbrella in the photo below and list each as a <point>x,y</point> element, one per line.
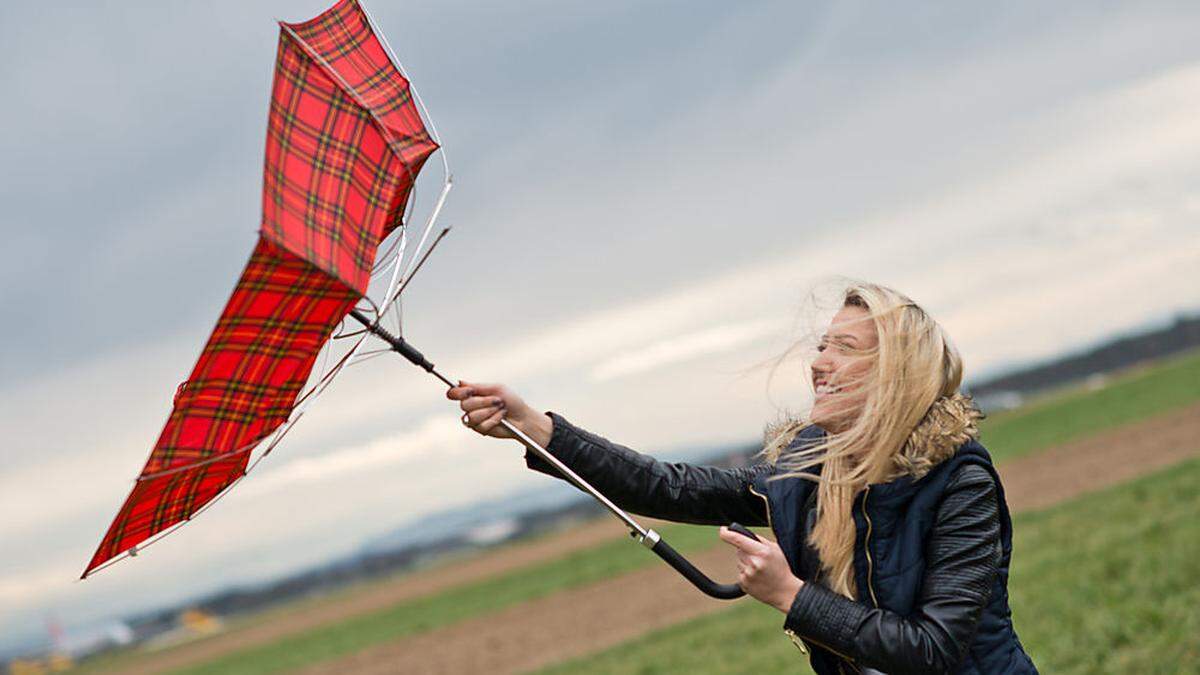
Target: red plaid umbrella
<point>344,144</point>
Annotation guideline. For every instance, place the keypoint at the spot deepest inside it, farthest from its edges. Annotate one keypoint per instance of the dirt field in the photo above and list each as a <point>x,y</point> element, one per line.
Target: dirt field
<point>558,627</point>
<point>604,614</point>
<point>378,595</point>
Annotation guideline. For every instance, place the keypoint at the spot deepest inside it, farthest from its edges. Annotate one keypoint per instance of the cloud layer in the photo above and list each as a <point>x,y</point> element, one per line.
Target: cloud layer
<point>645,196</point>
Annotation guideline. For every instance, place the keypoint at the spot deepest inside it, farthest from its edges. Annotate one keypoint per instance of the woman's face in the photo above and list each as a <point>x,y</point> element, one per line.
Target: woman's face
<point>843,361</point>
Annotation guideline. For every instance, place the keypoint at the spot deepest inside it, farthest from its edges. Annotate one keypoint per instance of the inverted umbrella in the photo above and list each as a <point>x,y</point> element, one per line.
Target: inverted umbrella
<point>344,145</point>
<point>345,142</point>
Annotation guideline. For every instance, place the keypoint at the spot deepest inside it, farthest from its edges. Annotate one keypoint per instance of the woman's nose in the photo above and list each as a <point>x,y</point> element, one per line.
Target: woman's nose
<point>821,367</point>
<point>823,363</point>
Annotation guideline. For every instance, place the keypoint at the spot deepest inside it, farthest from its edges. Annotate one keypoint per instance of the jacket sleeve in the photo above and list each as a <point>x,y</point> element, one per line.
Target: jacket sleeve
<point>962,557</point>
<point>639,483</point>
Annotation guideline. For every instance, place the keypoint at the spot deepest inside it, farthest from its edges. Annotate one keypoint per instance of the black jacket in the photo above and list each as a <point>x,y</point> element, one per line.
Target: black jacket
<point>931,558</point>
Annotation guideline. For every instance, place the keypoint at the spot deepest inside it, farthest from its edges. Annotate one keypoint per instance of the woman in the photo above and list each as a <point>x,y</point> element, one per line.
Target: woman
<point>892,535</point>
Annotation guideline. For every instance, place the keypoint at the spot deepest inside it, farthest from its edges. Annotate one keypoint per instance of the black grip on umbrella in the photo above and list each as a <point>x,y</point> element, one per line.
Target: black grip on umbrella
<point>398,344</point>
<point>698,578</point>
<point>410,352</point>
<point>741,529</point>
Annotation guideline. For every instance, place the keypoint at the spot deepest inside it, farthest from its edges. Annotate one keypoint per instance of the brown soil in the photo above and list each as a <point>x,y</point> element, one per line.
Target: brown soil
<point>600,615</point>
<point>537,633</point>
<point>1090,464</point>
<point>373,596</point>
<point>604,614</point>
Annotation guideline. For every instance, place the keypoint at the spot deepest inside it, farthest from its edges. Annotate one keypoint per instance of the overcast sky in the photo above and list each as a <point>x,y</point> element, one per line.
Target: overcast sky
<point>645,191</point>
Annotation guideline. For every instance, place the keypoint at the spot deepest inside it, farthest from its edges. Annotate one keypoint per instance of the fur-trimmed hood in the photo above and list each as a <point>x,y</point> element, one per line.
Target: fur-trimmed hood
<point>950,422</point>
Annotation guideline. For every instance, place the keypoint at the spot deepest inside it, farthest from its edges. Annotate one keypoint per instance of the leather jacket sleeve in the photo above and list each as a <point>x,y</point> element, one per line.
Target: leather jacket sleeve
<point>962,556</point>
<point>641,484</point>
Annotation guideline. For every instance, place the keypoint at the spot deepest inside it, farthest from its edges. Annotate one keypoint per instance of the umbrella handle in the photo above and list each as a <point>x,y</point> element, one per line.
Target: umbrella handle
<point>699,579</point>
<point>649,538</point>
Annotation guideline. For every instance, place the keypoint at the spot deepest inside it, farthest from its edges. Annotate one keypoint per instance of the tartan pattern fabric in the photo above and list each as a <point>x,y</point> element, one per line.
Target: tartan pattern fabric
<point>334,186</point>
<point>242,388</point>
<point>344,145</point>
<point>341,43</point>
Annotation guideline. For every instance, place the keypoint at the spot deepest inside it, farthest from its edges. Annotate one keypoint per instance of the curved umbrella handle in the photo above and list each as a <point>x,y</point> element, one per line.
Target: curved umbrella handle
<point>699,579</point>
<point>649,538</point>
<point>691,573</point>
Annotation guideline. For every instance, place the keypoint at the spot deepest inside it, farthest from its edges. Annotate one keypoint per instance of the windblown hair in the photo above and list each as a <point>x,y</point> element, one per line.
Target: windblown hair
<point>913,417</point>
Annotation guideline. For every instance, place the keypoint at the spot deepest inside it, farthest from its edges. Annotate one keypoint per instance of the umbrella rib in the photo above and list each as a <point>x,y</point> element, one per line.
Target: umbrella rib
<point>421,262</point>
<point>433,216</point>
<point>399,262</point>
<point>387,48</point>
<point>448,179</point>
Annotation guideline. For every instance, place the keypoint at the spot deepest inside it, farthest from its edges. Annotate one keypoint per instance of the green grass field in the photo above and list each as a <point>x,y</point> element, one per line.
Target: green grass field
<point>1063,416</point>
<point>1050,420</point>
<point>1107,583</point>
<point>459,603</point>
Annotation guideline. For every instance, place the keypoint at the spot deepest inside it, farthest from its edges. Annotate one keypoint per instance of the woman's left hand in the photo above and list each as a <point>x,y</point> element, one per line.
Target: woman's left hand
<point>763,572</point>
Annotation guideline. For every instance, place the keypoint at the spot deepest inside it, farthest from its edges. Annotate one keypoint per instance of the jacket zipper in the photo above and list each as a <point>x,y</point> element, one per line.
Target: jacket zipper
<point>766,505</point>
<point>867,548</point>
<point>796,639</point>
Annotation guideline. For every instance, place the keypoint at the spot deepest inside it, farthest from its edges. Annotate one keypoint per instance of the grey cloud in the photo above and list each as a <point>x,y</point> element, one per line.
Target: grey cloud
<point>606,153</point>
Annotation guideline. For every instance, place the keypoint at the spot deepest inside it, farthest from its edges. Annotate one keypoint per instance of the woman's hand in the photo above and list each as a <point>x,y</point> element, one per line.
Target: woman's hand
<point>763,572</point>
<point>484,405</point>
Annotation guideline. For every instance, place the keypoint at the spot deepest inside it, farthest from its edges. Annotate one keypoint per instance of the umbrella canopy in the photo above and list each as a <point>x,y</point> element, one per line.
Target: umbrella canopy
<point>344,145</point>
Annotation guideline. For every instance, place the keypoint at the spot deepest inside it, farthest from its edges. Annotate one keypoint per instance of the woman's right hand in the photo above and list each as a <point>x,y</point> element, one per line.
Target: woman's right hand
<point>484,405</point>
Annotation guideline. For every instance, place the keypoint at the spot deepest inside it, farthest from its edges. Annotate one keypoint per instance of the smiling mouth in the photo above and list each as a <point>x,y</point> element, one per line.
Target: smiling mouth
<point>824,388</point>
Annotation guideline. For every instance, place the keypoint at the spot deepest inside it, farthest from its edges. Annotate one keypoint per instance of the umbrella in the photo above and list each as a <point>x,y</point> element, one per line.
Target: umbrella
<point>344,145</point>
<point>345,142</point>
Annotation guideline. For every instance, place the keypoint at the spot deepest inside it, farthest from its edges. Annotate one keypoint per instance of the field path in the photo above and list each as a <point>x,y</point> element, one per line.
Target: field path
<point>601,615</point>
<point>373,596</point>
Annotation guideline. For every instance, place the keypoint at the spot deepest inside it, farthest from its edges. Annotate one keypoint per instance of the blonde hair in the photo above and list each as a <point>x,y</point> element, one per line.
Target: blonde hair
<point>914,365</point>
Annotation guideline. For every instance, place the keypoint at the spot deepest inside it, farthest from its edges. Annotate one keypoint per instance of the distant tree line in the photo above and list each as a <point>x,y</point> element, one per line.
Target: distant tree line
<point>1183,334</point>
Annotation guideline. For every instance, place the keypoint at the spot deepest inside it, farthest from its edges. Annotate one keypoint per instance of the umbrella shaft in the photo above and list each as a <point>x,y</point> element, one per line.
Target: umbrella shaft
<point>635,528</point>
<point>399,345</point>
<point>409,352</point>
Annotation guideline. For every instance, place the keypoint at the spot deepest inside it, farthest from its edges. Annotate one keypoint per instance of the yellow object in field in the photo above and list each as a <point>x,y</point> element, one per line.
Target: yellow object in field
<point>26,667</point>
<point>53,663</point>
<point>199,622</point>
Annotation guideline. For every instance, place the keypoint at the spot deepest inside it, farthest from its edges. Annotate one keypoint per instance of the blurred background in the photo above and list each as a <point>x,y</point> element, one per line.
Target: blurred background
<point>646,194</point>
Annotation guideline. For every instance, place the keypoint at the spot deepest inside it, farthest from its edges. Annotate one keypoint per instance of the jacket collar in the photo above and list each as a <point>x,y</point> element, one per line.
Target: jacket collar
<point>948,424</point>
